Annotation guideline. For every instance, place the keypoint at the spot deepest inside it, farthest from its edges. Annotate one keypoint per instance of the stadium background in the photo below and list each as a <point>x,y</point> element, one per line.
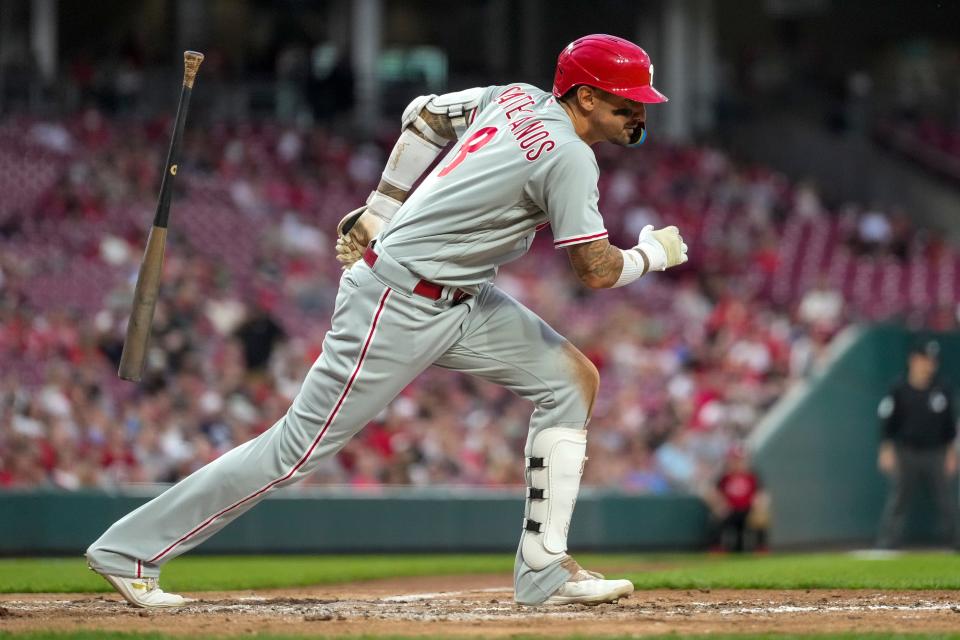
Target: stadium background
<point>810,153</point>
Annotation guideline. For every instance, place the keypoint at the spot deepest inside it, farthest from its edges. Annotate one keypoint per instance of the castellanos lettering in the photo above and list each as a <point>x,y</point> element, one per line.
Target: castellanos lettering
<point>529,132</point>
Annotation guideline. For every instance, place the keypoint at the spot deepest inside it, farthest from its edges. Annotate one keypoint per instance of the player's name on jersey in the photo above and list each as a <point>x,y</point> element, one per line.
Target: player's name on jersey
<point>527,129</point>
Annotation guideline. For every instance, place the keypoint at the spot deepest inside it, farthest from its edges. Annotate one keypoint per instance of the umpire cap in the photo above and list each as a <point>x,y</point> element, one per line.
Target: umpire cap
<point>928,348</point>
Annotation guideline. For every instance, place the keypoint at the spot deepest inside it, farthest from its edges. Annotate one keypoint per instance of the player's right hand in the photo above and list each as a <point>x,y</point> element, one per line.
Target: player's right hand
<point>354,232</point>
<point>664,248</point>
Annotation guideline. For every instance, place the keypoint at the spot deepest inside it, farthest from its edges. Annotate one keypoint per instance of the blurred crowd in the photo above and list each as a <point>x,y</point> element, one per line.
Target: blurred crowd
<point>932,142</point>
<point>939,135</point>
<point>689,360</point>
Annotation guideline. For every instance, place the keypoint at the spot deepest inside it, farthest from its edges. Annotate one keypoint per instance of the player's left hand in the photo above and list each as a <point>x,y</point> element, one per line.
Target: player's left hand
<point>354,232</point>
<point>759,516</point>
<point>664,248</point>
<point>887,459</point>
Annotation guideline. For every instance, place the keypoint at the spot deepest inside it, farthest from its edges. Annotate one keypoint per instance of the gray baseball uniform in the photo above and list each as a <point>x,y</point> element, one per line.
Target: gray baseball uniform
<point>517,167</point>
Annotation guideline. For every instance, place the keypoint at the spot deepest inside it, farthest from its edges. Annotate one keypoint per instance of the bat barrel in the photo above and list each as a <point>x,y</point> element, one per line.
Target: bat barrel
<point>145,294</point>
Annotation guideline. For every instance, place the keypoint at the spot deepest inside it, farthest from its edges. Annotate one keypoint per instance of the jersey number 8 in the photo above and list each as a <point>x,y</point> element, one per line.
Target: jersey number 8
<point>473,143</point>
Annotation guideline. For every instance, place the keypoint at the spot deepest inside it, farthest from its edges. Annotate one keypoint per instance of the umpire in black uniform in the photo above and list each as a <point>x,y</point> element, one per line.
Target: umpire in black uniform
<point>917,445</point>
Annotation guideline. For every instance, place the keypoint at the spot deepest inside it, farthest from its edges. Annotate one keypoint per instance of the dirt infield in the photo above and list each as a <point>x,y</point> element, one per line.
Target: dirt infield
<point>465,606</point>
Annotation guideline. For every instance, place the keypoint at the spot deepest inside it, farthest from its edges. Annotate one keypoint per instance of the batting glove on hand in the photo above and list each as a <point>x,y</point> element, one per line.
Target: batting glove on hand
<point>354,232</point>
<point>663,247</point>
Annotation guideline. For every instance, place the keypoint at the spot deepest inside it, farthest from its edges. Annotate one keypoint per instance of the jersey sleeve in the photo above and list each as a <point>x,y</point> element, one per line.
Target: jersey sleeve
<point>949,428</point>
<point>566,189</point>
<point>486,98</point>
<point>887,412</point>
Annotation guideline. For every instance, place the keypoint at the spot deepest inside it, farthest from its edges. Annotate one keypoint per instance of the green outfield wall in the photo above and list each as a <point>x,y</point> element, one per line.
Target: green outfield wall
<point>817,450</point>
<point>323,521</point>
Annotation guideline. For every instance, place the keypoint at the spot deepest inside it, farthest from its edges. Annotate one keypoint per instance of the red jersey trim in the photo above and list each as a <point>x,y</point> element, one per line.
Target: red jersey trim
<point>566,242</point>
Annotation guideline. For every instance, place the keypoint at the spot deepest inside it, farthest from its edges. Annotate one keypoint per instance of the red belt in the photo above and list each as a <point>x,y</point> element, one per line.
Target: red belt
<point>423,288</point>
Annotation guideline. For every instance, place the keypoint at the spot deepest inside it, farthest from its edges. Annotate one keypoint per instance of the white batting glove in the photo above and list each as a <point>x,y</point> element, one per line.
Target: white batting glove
<point>663,247</point>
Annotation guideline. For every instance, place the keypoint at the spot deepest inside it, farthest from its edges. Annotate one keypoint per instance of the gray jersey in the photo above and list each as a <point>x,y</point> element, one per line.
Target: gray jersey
<point>518,167</point>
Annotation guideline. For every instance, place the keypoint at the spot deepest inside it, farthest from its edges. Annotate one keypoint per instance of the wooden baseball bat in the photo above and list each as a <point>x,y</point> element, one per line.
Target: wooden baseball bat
<point>148,279</point>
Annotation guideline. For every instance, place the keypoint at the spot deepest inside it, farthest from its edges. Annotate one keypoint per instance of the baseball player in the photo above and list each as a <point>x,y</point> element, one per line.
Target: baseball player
<point>417,291</point>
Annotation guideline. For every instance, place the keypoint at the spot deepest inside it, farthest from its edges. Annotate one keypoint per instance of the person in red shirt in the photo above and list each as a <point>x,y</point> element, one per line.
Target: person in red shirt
<point>739,506</point>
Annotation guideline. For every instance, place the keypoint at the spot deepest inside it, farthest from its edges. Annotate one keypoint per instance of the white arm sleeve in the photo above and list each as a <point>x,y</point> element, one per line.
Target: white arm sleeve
<point>413,154</point>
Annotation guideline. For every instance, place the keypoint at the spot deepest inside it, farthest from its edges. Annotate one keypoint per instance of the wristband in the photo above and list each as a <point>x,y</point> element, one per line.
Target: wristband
<point>382,206</point>
<point>635,264</point>
<point>656,254</point>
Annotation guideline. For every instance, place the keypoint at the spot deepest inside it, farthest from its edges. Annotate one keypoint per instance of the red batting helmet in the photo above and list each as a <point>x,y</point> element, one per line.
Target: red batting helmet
<point>609,63</point>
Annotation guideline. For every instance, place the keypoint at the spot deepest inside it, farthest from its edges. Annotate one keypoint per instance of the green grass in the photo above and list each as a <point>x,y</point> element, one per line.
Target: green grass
<point>808,571</point>
<point>105,635</point>
<point>677,571</point>
<point>214,573</point>
<point>681,571</point>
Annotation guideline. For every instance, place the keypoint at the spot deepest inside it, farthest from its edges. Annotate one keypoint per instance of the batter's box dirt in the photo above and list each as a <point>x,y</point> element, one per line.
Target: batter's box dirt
<point>462,607</point>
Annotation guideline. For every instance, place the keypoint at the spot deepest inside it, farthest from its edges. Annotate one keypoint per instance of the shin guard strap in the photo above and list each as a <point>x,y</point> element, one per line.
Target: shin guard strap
<point>554,466</point>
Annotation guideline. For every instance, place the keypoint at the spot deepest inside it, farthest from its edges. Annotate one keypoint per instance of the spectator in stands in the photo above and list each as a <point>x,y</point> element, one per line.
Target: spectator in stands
<point>917,445</point>
<point>874,231</point>
<point>705,353</point>
<point>739,506</point>
<point>821,308</point>
<point>259,334</point>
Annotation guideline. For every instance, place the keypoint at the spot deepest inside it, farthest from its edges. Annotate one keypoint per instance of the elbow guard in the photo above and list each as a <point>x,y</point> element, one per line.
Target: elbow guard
<point>447,115</point>
<point>412,117</point>
<point>458,107</point>
<point>436,120</point>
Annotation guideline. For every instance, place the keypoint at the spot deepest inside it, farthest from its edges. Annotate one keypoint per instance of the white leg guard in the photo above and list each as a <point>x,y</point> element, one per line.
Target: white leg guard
<point>557,456</point>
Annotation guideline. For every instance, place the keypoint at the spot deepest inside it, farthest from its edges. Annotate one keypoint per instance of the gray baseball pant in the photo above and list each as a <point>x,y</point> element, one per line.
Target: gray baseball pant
<point>382,336</point>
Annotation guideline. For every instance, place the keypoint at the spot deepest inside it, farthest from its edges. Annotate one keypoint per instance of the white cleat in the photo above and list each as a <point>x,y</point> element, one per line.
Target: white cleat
<point>145,592</point>
<point>588,587</point>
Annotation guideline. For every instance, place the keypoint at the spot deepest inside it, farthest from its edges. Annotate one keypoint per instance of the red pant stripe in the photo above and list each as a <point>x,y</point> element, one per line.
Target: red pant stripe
<point>306,456</point>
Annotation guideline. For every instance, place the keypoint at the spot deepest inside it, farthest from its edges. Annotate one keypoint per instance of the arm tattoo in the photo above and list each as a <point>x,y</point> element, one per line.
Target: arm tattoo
<point>598,264</point>
<point>439,123</point>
